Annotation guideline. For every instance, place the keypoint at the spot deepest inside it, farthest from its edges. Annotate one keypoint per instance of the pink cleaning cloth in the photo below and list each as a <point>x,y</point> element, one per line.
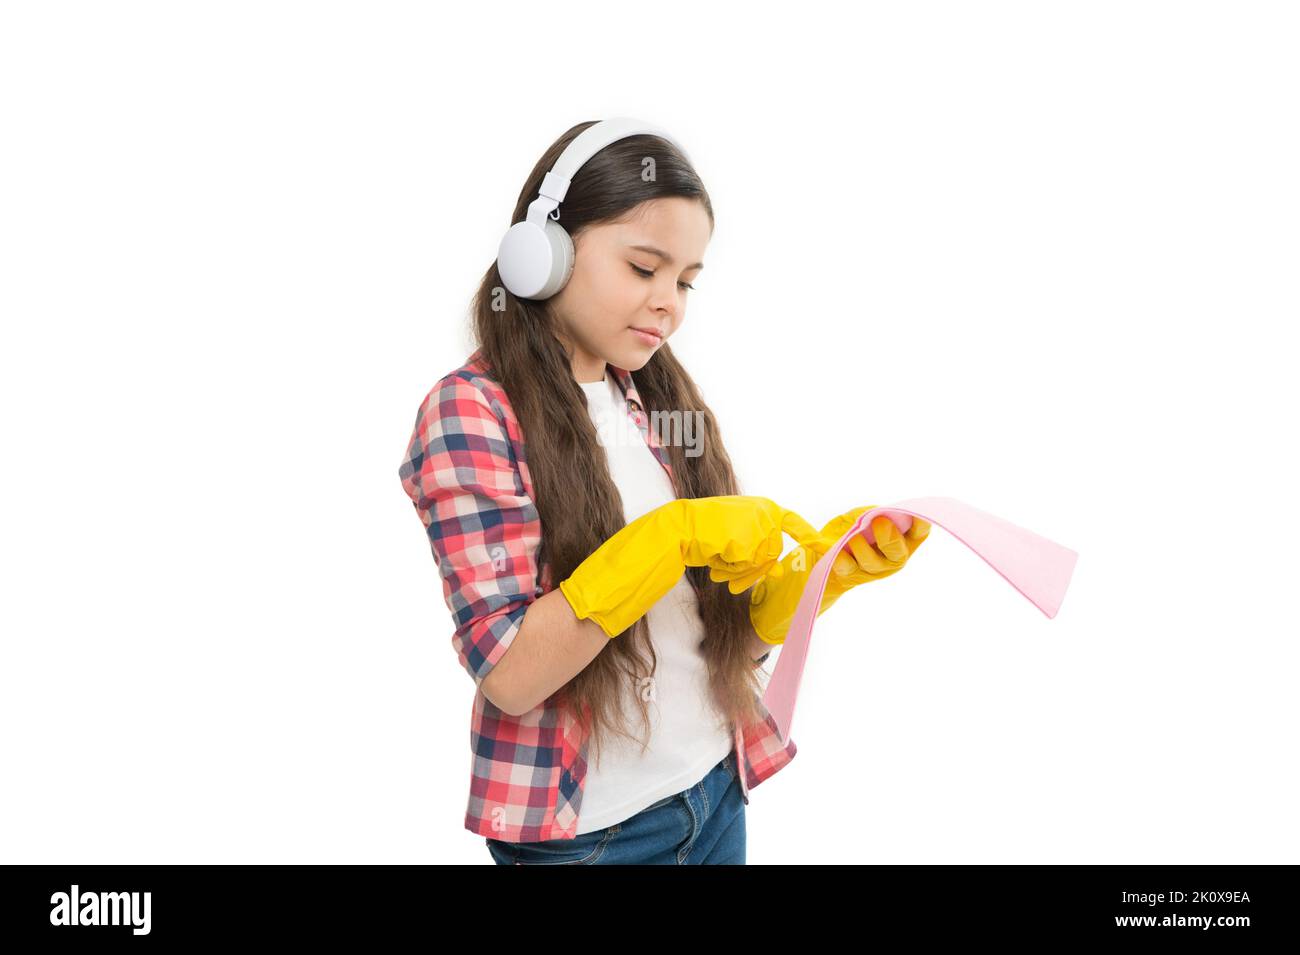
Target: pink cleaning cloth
<point>1037,567</point>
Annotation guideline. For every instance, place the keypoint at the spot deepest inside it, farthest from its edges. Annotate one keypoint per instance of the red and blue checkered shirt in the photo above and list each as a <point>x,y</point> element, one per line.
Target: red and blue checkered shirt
<point>466,473</point>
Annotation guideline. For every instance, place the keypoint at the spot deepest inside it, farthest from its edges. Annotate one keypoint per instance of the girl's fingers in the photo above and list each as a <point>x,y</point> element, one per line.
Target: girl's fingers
<point>742,582</point>
<point>736,584</point>
<point>855,557</point>
<point>865,559</point>
<point>889,539</point>
<point>720,575</point>
<point>803,532</point>
<point>869,559</point>
<point>729,568</point>
<point>740,575</point>
<point>891,551</point>
<point>844,564</point>
<point>743,574</point>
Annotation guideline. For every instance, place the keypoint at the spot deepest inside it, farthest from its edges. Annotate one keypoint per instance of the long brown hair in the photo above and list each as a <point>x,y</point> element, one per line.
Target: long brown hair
<point>578,502</point>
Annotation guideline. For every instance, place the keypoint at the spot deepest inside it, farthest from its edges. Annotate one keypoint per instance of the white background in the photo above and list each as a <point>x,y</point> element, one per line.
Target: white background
<point>1038,257</point>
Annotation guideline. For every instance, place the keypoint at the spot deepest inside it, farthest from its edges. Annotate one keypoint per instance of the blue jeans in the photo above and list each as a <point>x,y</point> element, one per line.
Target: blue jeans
<point>702,825</point>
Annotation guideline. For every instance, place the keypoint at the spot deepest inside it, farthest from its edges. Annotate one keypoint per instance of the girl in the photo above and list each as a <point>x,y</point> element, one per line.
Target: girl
<point>581,550</point>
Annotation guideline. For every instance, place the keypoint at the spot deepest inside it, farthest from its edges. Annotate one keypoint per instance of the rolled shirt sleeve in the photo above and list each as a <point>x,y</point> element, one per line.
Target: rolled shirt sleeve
<point>461,473</point>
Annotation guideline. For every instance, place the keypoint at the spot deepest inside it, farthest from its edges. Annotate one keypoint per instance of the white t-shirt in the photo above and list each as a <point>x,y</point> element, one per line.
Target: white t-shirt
<point>687,736</point>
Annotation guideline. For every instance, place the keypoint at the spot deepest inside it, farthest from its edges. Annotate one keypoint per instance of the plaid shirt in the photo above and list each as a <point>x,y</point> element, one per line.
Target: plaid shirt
<point>466,472</point>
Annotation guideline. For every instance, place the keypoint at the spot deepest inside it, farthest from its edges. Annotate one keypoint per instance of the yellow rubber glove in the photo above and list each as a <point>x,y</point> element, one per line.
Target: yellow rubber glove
<point>737,536</point>
<point>774,599</point>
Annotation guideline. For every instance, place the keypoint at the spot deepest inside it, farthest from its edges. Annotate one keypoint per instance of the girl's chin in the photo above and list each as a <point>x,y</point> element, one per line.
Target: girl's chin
<point>631,359</point>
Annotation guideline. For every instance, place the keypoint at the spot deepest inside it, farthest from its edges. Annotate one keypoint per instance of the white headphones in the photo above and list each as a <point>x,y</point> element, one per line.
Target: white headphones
<point>535,258</point>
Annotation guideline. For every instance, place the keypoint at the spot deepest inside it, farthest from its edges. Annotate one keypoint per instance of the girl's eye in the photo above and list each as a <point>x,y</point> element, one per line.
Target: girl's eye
<point>646,274</point>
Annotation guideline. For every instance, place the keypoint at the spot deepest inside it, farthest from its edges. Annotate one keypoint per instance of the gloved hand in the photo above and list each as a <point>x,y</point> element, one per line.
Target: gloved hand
<point>737,536</point>
<point>775,598</point>
<point>867,563</point>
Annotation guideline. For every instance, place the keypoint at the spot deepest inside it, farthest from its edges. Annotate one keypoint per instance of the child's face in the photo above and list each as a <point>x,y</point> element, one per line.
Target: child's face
<point>606,297</point>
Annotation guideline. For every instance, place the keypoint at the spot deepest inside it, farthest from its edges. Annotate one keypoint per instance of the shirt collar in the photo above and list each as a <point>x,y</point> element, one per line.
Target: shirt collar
<point>624,379</point>
<point>621,375</point>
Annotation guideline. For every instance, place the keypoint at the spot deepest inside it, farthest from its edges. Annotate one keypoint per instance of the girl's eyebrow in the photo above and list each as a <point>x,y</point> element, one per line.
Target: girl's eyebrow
<point>664,255</point>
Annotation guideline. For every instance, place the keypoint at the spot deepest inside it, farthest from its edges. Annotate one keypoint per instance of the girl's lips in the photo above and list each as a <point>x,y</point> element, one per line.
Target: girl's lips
<point>646,337</point>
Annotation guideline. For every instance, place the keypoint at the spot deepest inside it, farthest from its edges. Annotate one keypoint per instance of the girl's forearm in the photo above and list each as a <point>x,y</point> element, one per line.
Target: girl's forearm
<point>551,648</point>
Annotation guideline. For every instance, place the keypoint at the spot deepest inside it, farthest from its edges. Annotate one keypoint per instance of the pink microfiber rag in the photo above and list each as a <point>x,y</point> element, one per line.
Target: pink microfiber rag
<point>1037,567</point>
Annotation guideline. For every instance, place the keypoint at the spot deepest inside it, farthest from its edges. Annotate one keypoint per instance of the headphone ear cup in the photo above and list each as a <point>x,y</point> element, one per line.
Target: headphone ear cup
<point>562,258</point>
<point>535,263</point>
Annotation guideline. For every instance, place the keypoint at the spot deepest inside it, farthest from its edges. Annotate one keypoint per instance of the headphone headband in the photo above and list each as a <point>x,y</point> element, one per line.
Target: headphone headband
<point>555,184</point>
